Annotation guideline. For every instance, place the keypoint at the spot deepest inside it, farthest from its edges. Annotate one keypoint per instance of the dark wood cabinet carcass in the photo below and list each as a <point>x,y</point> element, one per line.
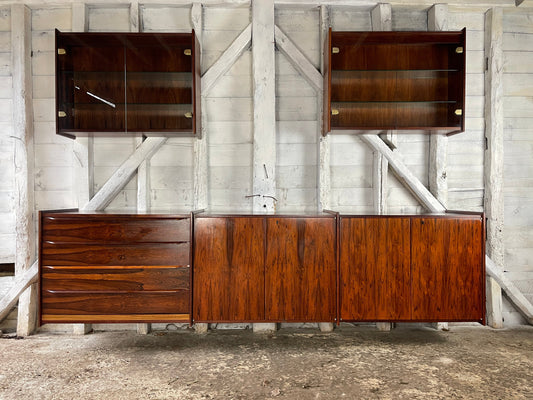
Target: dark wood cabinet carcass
<point>105,267</point>
<point>115,267</point>
<point>395,80</point>
<point>264,268</point>
<point>126,83</point>
<point>418,268</point>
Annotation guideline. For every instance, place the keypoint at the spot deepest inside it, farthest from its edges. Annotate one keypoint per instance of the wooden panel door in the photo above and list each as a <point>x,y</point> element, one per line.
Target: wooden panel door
<point>229,269</point>
<point>300,270</point>
<point>448,269</point>
<point>375,269</point>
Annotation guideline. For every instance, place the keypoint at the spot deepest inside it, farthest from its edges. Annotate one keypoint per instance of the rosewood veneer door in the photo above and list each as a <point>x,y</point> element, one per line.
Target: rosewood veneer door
<point>375,269</point>
<point>448,269</point>
<point>300,270</point>
<point>229,269</point>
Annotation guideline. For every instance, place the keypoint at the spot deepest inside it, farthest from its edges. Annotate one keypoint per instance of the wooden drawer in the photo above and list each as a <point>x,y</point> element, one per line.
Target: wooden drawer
<point>72,254</point>
<point>113,279</point>
<point>114,229</point>
<point>86,303</point>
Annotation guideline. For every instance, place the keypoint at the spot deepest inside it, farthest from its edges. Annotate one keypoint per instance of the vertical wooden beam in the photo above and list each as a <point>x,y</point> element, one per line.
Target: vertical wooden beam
<point>24,162</point>
<point>324,150</point>
<point>200,149</point>
<point>381,16</point>
<point>264,123</point>
<point>200,143</point>
<point>143,170</point>
<point>83,149</point>
<point>438,144</point>
<point>134,17</point>
<point>494,203</point>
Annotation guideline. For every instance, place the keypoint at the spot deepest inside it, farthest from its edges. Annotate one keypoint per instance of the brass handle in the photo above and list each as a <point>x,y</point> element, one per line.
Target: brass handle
<point>61,52</point>
<point>61,114</point>
<point>334,112</point>
<point>335,50</point>
<point>459,112</point>
<point>188,115</point>
<point>187,52</point>
<point>459,50</point>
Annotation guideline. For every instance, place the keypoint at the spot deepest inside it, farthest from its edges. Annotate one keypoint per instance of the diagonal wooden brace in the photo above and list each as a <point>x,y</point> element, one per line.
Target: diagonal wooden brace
<point>123,174</point>
<point>21,283</point>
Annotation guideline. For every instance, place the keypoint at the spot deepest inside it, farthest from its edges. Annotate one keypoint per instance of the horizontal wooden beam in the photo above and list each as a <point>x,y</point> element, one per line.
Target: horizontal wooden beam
<point>513,293</point>
<point>20,284</point>
<point>226,60</point>
<point>404,174</point>
<point>239,3</point>
<point>123,174</point>
<point>298,59</point>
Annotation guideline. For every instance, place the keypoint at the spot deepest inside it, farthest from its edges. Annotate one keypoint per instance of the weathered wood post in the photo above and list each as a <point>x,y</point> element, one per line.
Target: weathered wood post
<point>25,243</point>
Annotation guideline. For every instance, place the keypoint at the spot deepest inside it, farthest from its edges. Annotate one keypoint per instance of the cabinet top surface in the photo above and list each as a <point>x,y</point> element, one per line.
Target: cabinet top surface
<point>165,213</point>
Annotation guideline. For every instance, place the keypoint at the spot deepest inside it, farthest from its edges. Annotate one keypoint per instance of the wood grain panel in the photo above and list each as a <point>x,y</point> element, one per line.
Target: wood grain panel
<point>116,229</point>
<point>300,271</point>
<point>110,318</point>
<point>80,254</point>
<point>375,269</point>
<point>447,269</point>
<point>82,303</point>
<point>113,279</point>
<point>229,269</point>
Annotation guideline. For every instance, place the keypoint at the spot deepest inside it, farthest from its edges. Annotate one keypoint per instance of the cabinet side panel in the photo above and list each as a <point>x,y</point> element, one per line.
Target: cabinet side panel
<point>300,269</point>
<point>228,269</point>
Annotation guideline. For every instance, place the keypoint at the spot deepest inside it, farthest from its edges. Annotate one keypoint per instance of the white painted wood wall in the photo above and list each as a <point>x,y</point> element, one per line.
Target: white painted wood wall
<point>229,122</point>
<point>7,169</point>
<point>518,148</point>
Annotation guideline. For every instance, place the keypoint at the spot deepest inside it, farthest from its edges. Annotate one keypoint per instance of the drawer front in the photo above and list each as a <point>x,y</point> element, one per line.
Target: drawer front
<point>113,279</point>
<point>71,254</point>
<point>172,302</point>
<point>113,229</point>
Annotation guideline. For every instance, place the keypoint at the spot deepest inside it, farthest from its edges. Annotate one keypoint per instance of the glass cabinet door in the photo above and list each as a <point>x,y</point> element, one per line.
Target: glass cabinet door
<point>90,86</point>
<point>159,84</point>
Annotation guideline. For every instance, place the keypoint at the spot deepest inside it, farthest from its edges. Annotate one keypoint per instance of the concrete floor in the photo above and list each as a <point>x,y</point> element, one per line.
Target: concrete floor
<point>411,362</point>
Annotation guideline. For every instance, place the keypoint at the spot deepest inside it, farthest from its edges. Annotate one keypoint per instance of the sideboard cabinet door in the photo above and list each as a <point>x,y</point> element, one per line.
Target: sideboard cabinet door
<point>229,269</point>
<point>447,269</point>
<point>300,270</point>
<point>375,267</point>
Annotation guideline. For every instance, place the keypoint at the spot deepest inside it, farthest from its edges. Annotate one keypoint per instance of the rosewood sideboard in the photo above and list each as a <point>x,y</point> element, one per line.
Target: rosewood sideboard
<point>184,267</point>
